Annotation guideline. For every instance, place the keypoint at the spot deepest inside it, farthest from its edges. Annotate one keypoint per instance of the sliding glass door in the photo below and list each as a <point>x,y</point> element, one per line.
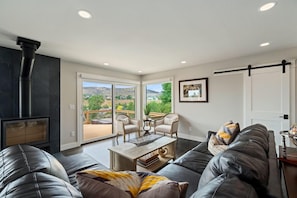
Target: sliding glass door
<point>125,99</point>
<point>97,107</point>
<point>101,99</point>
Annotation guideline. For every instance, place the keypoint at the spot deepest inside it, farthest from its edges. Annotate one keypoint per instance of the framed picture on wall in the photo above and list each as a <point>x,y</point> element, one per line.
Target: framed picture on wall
<point>194,90</point>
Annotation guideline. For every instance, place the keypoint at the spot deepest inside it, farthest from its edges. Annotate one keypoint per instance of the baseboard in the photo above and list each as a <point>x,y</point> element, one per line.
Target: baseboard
<point>191,137</point>
<point>69,146</point>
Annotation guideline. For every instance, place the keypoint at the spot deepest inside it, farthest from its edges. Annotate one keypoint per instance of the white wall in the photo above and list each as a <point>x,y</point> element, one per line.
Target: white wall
<point>225,93</point>
<point>69,97</point>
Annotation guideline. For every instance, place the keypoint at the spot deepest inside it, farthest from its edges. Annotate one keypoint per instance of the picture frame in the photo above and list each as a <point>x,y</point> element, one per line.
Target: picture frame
<point>193,90</point>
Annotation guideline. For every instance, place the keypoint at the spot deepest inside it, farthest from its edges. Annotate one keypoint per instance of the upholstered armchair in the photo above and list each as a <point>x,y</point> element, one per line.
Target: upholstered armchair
<point>168,124</point>
<point>126,125</point>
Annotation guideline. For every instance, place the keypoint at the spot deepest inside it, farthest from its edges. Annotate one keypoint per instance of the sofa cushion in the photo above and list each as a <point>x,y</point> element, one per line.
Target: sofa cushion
<point>108,183</point>
<point>37,185</point>
<point>226,186</point>
<point>127,184</point>
<point>178,173</point>
<point>19,160</point>
<point>75,162</point>
<point>249,169</point>
<point>202,148</point>
<point>227,132</point>
<point>214,146</point>
<point>194,161</point>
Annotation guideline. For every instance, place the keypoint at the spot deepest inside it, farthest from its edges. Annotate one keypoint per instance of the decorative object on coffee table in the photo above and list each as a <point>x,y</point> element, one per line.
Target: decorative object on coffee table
<point>148,159</point>
<point>163,152</point>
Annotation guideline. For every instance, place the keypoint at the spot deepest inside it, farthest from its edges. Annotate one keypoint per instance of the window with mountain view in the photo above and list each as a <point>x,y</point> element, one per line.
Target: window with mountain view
<point>159,98</point>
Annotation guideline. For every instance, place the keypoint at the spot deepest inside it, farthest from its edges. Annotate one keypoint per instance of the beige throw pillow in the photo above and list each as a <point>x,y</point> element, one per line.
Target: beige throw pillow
<point>214,146</point>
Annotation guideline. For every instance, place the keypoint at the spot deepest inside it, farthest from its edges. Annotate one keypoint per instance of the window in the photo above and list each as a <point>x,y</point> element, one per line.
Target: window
<point>158,96</point>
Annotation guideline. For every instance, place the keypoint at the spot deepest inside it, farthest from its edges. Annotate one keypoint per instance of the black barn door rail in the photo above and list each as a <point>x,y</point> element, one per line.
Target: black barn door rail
<point>249,68</point>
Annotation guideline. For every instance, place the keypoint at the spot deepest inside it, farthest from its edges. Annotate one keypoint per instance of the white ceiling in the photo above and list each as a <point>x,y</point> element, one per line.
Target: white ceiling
<point>149,35</point>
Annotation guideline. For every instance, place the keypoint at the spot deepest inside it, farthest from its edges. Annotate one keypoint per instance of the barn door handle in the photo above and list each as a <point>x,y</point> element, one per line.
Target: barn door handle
<point>285,116</point>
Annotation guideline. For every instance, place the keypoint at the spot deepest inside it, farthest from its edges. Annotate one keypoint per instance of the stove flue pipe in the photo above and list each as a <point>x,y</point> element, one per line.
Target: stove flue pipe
<point>28,55</point>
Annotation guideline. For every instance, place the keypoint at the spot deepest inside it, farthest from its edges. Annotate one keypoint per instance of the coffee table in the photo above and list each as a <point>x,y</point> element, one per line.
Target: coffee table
<point>125,156</point>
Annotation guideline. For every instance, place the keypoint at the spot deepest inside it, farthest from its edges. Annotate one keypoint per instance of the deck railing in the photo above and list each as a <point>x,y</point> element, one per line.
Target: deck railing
<point>130,113</point>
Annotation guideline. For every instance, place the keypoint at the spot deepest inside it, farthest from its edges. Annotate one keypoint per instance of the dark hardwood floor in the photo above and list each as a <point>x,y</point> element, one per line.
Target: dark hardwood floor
<point>99,150</point>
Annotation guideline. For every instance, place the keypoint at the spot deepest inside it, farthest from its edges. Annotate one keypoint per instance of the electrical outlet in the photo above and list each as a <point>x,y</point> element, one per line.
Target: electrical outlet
<point>72,133</point>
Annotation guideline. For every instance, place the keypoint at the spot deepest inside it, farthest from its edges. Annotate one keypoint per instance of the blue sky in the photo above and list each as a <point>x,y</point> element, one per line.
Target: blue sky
<point>154,87</point>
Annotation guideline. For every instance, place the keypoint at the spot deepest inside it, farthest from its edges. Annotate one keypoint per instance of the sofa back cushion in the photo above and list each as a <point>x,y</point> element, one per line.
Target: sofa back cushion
<point>226,185</point>
<point>256,133</point>
<point>19,160</point>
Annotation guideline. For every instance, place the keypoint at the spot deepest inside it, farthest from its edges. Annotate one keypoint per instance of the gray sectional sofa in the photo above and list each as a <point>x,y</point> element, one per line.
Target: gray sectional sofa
<point>248,168</point>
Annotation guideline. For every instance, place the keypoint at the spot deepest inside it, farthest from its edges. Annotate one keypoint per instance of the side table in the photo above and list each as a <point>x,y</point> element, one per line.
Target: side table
<point>288,165</point>
<point>147,126</point>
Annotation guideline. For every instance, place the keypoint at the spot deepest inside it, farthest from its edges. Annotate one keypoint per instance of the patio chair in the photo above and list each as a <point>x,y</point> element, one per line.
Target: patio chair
<point>126,125</point>
<point>168,124</point>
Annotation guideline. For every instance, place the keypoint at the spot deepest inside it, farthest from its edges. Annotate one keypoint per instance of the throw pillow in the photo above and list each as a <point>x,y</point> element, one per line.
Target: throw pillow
<point>128,184</point>
<point>108,184</point>
<point>227,132</point>
<point>214,146</point>
<point>155,186</point>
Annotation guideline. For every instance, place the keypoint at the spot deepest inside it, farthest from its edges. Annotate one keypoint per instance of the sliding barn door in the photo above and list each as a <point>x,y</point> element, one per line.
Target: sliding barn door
<point>267,99</point>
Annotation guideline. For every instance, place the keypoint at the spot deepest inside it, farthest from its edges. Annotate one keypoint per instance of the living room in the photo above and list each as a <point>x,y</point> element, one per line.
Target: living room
<point>226,92</point>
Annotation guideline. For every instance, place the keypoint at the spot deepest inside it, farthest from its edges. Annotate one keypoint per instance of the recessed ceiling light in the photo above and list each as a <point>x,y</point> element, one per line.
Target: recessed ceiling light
<point>183,62</point>
<point>264,44</point>
<point>139,71</point>
<point>106,64</point>
<point>84,14</point>
<point>267,6</point>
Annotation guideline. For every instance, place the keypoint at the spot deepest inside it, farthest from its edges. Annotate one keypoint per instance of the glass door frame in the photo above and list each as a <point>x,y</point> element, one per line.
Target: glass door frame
<point>103,79</point>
